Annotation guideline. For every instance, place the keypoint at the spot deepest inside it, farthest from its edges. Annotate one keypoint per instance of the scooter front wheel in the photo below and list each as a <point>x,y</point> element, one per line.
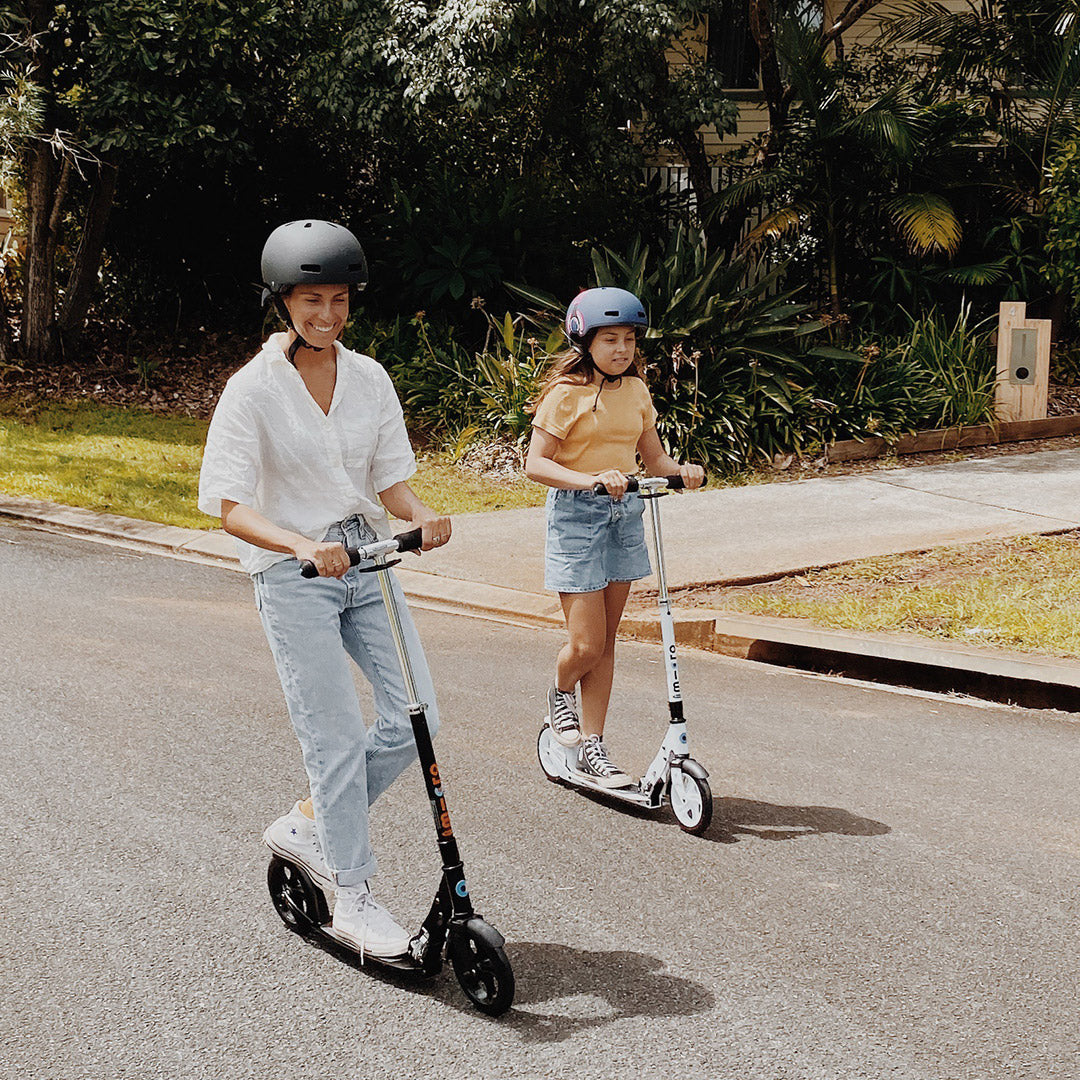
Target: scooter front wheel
<point>481,966</point>
<point>691,801</point>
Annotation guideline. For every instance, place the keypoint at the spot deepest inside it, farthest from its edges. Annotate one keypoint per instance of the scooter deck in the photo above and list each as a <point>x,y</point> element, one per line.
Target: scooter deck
<point>632,794</point>
<point>402,962</point>
<point>313,919</point>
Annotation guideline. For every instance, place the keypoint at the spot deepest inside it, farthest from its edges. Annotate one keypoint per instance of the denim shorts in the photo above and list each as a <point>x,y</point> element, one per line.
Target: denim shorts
<point>593,540</point>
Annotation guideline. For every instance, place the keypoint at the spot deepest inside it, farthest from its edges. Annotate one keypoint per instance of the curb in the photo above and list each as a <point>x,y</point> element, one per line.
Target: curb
<point>1029,679</point>
<point>906,659</point>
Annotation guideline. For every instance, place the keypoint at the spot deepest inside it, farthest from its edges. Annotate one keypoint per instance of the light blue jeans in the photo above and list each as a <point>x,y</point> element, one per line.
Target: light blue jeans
<point>314,626</point>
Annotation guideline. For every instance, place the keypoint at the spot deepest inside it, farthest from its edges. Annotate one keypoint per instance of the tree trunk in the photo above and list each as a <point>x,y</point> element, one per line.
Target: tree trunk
<point>692,146</point>
<point>690,143</point>
<point>84,272</point>
<point>39,302</point>
<point>5,336</point>
<point>771,81</point>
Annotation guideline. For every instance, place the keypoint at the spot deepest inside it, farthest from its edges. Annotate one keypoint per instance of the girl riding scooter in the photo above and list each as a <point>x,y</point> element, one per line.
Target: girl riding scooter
<point>593,418</point>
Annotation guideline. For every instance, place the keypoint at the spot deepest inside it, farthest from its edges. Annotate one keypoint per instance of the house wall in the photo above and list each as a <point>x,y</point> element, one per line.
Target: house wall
<point>753,119</point>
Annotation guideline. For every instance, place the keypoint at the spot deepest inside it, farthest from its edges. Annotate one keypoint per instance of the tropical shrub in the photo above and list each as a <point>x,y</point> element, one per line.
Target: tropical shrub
<point>454,394</point>
<point>937,374</point>
<point>731,355</point>
<point>1062,195</point>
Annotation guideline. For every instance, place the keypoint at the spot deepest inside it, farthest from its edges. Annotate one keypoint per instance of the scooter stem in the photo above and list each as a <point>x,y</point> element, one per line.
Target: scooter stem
<point>453,870</point>
<point>667,622</point>
<point>390,603</point>
<point>658,545</point>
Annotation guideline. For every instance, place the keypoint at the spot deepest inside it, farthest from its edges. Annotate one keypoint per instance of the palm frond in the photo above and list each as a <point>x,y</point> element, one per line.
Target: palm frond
<point>927,222</point>
<point>989,273</point>
<point>780,223</point>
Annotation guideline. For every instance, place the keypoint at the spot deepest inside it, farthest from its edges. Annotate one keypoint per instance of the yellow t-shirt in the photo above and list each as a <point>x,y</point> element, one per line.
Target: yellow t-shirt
<point>597,432</point>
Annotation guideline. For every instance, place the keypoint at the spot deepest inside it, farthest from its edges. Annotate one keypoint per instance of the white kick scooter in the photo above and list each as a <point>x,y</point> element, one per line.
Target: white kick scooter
<point>673,775</point>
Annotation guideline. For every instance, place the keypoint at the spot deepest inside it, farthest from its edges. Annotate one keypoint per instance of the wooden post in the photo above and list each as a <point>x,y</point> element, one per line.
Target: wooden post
<point>1023,364</point>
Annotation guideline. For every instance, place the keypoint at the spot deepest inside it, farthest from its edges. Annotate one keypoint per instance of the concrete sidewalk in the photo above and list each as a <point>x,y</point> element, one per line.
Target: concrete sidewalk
<point>733,535</point>
<point>494,566</point>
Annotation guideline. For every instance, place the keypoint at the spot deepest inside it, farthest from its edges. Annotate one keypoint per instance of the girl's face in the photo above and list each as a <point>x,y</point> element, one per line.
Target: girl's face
<point>318,312</point>
<point>613,349</point>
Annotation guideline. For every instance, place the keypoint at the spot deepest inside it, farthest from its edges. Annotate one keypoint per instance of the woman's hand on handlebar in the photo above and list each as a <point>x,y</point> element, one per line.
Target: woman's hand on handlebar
<point>435,530</point>
<point>613,480</point>
<point>330,559</point>
<point>693,476</point>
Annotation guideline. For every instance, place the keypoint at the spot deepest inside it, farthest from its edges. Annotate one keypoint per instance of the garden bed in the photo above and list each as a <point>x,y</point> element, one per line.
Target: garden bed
<point>955,438</point>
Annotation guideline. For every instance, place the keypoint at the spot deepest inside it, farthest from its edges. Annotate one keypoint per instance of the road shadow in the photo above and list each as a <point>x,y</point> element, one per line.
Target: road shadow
<point>734,818</point>
<point>581,988</point>
<point>562,990</point>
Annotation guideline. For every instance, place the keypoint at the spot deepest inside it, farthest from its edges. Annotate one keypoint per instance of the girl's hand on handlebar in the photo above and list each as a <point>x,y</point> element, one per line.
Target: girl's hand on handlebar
<point>613,480</point>
<point>435,531</point>
<point>331,560</point>
<point>693,476</point>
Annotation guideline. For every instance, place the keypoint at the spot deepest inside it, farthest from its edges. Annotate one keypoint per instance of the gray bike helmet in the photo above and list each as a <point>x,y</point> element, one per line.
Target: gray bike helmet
<point>309,252</point>
<point>312,252</point>
<point>605,306</point>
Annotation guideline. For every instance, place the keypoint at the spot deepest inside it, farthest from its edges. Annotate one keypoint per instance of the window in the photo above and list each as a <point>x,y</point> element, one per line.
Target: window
<point>731,47</point>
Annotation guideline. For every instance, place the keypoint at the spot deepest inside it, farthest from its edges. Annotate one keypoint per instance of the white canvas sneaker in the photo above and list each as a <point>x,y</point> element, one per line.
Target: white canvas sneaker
<point>294,837</point>
<point>361,921</point>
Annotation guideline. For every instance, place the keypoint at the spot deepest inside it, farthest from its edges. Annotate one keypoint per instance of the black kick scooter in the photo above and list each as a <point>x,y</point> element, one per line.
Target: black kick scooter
<point>474,948</point>
<point>673,775</point>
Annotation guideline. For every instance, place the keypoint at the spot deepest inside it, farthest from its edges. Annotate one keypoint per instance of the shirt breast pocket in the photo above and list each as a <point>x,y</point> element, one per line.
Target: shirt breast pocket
<point>358,442</point>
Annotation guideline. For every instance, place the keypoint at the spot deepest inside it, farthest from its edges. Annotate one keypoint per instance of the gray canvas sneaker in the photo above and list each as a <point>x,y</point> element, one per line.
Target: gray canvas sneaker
<point>563,717</point>
<point>593,762</point>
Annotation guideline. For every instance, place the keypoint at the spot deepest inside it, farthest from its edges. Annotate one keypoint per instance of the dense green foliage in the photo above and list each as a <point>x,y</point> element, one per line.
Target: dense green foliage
<point>740,370</point>
<point>477,143</point>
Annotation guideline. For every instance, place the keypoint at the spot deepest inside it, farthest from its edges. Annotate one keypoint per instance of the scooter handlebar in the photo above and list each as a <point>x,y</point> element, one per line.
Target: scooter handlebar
<point>647,483</point>
<point>407,541</point>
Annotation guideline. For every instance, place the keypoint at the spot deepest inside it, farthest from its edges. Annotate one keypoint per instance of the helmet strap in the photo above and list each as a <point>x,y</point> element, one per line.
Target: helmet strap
<point>604,380</point>
<point>298,343</point>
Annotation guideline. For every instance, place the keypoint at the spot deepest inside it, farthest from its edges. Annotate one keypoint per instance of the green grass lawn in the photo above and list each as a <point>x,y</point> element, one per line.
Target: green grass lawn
<point>1022,593</point>
<point>138,464</point>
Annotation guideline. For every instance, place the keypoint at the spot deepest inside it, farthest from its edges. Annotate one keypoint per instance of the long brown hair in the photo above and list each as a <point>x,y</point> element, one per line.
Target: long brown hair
<point>575,366</point>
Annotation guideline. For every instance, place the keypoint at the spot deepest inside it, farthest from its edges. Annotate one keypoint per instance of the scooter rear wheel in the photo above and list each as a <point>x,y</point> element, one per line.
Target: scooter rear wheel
<point>298,900</point>
<point>481,966</point>
<point>691,801</point>
<point>552,756</point>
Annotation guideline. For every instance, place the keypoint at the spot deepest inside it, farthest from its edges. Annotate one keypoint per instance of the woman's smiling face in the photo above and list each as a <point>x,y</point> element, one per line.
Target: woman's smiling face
<point>318,312</point>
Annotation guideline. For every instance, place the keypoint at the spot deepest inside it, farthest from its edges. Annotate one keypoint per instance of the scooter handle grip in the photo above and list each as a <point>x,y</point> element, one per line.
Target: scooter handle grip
<point>412,540</point>
<point>631,485</point>
<point>407,541</point>
<point>674,483</point>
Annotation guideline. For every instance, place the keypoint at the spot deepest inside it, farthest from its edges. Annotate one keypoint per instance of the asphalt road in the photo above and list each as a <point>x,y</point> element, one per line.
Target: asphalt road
<point>889,888</point>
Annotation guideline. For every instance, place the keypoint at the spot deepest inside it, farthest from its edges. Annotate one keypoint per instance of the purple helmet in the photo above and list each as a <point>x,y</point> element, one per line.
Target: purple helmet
<point>602,307</point>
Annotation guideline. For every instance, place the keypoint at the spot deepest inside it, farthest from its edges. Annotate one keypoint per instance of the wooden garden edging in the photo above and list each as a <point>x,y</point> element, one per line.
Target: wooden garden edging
<point>955,438</point>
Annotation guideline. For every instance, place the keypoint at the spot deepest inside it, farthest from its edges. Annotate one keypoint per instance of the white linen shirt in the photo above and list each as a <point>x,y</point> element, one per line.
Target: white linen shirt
<point>272,448</point>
